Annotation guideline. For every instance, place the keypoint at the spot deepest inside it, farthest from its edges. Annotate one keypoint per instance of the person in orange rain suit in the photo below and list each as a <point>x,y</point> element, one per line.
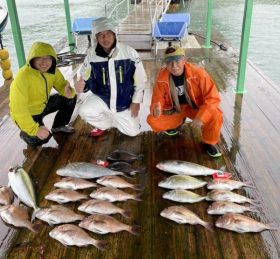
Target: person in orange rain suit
<point>183,90</point>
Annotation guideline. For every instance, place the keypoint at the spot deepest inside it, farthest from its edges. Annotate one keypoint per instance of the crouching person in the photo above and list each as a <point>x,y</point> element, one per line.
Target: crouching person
<point>183,90</point>
<point>31,101</point>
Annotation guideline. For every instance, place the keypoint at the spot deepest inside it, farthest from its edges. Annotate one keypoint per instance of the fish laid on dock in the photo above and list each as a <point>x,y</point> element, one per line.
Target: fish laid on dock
<point>220,195</point>
<point>181,182</point>
<point>58,214</point>
<point>6,195</point>
<point>22,186</point>
<point>18,217</point>
<point>182,215</point>
<point>72,235</point>
<point>86,170</point>
<point>183,196</point>
<point>124,156</point>
<point>73,183</point>
<point>102,207</point>
<point>103,224</point>
<point>226,184</point>
<point>112,194</point>
<point>223,207</point>
<point>185,168</point>
<point>64,196</point>
<point>242,224</point>
<point>117,182</point>
<point>126,168</point>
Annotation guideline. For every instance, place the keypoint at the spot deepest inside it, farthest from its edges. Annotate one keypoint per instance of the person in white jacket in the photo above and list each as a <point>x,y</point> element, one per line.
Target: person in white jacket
<point>115,75</point>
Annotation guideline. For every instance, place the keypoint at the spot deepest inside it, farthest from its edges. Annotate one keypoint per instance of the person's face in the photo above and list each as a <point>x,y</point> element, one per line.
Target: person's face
<point>176,67</point>
<point>43,64</point>
<point>106,39</point>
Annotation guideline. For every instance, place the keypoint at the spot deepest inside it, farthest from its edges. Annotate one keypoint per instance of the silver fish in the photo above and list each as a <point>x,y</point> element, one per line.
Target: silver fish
<point>182,215</point>
<point>185,168</point>
<point>58,214</point>
<point>242,224</point>
<point>72,235</point>
<point>183,196</point>
<point>103,224</point>
<point>6,195</point>
<point>219,195</point>
<point>226,184</point>
<point>22,186</point>
<point>64,196</point>
<point>181,182</point>
<point>73,183</point>
<point>125,168</point>
<point>102,207</point>
<point>18,217</point>
<point>117,182</point>
<point>86,170</point>
<point>122,155</point>
<point>111,194</point>
<point>223,207</point>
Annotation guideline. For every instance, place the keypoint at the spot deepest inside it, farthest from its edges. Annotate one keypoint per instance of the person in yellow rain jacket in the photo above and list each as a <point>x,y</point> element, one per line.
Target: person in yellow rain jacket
<point>31,99</point>
<point>183,90</point>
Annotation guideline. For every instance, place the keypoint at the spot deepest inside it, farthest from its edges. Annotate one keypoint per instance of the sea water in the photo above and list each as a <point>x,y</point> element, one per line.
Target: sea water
<point>45,21</point>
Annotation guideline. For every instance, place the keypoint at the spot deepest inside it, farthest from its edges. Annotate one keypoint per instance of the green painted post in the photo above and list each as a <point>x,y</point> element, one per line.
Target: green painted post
<point>209,25</point>
<point>68,24</point>
<point>247,18</point>
<point>12,9</point>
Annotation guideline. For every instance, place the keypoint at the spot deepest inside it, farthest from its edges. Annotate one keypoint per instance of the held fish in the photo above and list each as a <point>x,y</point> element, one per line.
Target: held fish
<point>64,196</point>
<point>18,217</point>
<point>58,214</point>
<point>183,196</point>
<point>111,194</point>
<point>124,156</point>
<point>182,215</point>
<point>22,186</point>
<point>117,182</point>
<point>102,207</point>
<point>185,168</point>
<point>219,195</point>
<point>242,224</point>
<point>126,168</point>
<point>6,195</point>
<point>73,183</point>
<point>227,184</point>
<point>223,207</point>
<point>72,235</point>
<point>181,182</point>
<point>86,170</point>
<point>103,224</point>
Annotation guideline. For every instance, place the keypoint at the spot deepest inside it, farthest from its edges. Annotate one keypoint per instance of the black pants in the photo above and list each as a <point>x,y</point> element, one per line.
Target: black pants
<point>64,108</point>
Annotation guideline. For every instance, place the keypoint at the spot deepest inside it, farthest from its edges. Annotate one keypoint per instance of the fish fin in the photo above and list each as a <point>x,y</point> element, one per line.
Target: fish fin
<point>34,213</point>
<point>137,197</point>
<point>135,230</point>
<point>100,244</point>
<point>138,187</point>
<point>126,213</point>
<point>209,226</point>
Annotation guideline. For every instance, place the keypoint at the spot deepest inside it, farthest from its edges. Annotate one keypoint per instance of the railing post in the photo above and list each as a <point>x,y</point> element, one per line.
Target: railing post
<point>247,18</point>
<point>209,25</point>
<point>68,23</point>
<point>16,32</point>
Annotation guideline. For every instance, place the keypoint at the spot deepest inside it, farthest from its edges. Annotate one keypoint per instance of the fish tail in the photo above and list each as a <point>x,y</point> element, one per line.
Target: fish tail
<point>253,209</point>
<point>273,226</point>
<point>137,187</point>
<point>99,244</point>
<point>135,230</point>
<point>255,203</point>
<point>249,184</point>
<point>36,227</point>
<point>209,226</point>
<point>36,209</point>
<point>126,213</point>
<point>137,197</point>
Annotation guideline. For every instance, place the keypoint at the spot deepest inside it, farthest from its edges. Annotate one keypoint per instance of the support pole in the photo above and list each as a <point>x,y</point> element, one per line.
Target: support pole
<point>12,9</point>
<point>68,24</point>
<point>209,25</point>
<point>247,18</point>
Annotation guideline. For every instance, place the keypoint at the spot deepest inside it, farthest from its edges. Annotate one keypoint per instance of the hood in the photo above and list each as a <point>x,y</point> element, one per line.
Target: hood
<point>40,49</point>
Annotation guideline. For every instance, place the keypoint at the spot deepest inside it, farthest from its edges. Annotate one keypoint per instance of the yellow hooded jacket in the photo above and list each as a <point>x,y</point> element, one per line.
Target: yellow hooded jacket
<point>30,90</point>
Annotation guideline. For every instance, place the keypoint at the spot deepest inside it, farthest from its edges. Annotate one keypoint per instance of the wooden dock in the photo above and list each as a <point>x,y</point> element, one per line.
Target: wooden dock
<point>250,144</point>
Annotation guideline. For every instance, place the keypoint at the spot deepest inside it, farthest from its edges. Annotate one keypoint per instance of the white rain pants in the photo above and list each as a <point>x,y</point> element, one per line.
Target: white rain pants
<point>95,111</point>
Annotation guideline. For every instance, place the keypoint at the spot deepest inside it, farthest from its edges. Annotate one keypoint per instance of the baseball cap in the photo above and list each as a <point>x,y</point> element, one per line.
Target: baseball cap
<point>173,53</point>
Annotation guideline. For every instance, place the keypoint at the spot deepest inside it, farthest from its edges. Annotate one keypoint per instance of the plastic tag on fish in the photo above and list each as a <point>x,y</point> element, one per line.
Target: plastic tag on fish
<point>100,162</point>
<point>221,175</point>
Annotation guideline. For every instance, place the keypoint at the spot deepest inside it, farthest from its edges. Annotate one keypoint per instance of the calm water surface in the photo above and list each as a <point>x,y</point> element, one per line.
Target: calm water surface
<point>45,21</point>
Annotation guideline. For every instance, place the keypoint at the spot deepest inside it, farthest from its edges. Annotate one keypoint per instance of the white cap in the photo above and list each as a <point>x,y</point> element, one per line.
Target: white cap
<point>103,24</point>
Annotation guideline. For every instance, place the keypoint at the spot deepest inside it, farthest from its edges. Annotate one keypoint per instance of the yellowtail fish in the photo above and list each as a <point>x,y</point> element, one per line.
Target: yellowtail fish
<point>183,196</point>
<point>242,224</point>
<point>223,207</point>
<point>182,215</point>
<point>72,235</point>
<point>185,168</point>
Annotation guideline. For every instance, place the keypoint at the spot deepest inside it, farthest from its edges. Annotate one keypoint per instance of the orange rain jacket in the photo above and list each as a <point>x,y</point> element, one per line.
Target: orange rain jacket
<point>204,95</point>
